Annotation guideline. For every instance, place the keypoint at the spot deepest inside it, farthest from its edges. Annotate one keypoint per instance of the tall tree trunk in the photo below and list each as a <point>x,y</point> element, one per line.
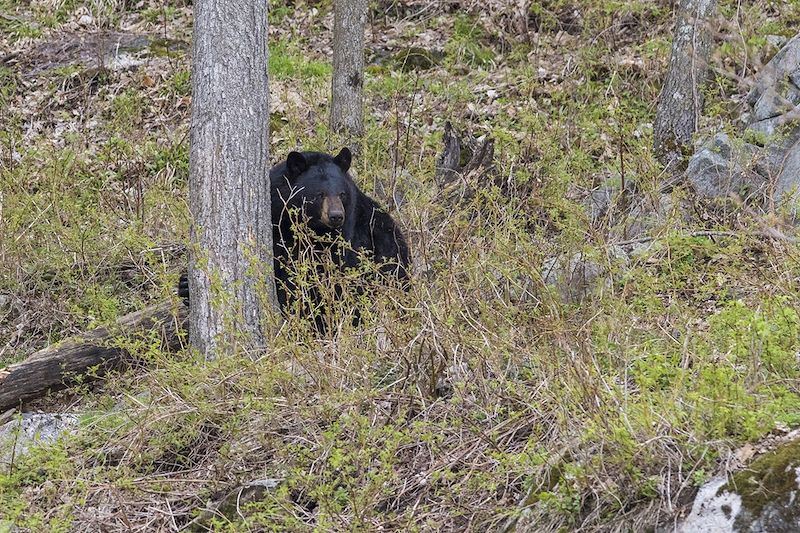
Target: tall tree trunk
<point>347,101</point>
<point>680,103</point>
<point>228,176</point>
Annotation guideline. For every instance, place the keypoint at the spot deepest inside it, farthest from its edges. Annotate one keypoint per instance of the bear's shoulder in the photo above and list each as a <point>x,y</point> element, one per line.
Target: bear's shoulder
<point>376,230</point>
<point>368,211</point>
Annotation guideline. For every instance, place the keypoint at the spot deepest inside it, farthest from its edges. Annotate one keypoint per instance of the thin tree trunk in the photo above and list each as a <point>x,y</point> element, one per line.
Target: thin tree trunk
<point>347,101</point>
<point>680,103</point>
<point>228,176</point>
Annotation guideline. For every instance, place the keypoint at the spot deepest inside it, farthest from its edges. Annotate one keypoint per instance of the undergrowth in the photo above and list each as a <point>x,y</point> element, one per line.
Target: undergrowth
<point>484,398</point>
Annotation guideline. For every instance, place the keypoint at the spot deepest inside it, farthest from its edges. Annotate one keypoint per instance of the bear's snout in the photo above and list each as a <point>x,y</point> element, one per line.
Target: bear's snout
<point>333,212</point>
<point>336,219</point>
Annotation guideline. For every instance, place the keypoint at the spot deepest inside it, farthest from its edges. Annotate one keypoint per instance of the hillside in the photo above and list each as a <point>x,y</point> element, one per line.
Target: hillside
<point>581,347</point>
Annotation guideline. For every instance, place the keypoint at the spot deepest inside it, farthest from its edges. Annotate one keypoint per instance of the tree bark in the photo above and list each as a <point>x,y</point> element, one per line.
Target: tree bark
<point>347,101</point>
<point>231,253</point>
<point>680,102</point>
<point>55,366</point>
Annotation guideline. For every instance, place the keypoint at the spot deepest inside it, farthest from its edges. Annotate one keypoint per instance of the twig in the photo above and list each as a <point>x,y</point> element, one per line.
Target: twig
<point>745,82</point>
<point>11,18</point>
<point>692,234</point>
<point>766,231</point>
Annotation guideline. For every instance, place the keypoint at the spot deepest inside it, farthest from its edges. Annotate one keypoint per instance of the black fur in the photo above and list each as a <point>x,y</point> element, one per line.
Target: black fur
<point>300,186</point>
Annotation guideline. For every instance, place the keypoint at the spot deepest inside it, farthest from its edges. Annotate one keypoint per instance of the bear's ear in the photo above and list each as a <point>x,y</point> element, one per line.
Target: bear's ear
<point>343,159</point>
<point>296,164</point>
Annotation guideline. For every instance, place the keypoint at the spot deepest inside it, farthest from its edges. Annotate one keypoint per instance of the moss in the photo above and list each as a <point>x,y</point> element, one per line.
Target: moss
<point>768,487</point>
<point>159,46</point>
<point>417,58</point>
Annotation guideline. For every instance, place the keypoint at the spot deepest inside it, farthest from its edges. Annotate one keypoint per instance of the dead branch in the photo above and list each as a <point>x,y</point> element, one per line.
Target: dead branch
<point>55,367</point>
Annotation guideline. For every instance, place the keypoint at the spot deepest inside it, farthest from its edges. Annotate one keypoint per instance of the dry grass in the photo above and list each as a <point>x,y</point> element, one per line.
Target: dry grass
<point>485,397</point>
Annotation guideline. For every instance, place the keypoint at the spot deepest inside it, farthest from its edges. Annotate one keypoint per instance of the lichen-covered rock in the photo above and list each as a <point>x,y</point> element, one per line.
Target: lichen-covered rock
<point>17,436</point>
<point>783,165</point>
<point>577,276</point>
<point>770,171</point>
<point>771,104</point>
<point>762,498</point>
<point>785,65</point>
<point>711,510</point>
<point>720,168</point>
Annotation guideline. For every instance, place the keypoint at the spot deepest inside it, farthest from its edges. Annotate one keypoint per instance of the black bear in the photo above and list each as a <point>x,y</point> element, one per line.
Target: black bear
<point>315,189</point>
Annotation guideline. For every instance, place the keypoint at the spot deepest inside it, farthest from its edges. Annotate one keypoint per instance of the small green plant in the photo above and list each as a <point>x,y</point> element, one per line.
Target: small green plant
<point>286,62</point>
<point>182,82</point>
<point>478,397</point>
<point>126,110</point>
<point>466,46</point>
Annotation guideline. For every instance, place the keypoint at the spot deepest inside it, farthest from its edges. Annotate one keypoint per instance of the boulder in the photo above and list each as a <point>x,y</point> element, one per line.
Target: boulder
<point>771,104</point>
<point>18,435</point>
<point>721,168</point>
<point>783,67</point>
<point>771,171</point>
<point>577,276</point>
<point>783,165</point>
<point>761,498</point>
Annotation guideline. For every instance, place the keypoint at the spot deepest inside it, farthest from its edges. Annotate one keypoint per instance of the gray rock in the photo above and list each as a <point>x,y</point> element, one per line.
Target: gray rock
<point>794,77</point>
<point>776,40</point>
<point>720,168</point>
<point>18,435</point>
<point>629,213</point>
<point>231,504</point>
<point>770,104</point>
<point>5,301</point>
<point>790,91</point>
<point>573,276</point>
<point>599,201</point>
<point>775,94</point>
<point>578,276</point>
<point>761,498</point>
<point>646,213</point>
<point>712,511</point>
<point>768,128</point>
<point>783,64</point>
<point>787,166</point>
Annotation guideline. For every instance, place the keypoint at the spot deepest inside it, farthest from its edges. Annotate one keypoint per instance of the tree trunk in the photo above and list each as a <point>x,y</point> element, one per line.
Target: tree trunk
<point>53,367</point>
<point>347,101</point>
<point>680,103</point>
<point>231,234</point>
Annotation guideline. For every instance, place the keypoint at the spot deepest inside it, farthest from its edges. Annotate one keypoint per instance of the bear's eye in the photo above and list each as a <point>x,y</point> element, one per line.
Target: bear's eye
<point>342,195</point>
<point>320,195</point>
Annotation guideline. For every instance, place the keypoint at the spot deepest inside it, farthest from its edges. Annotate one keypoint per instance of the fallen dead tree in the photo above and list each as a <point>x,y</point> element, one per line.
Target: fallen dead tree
<point>55,367</point>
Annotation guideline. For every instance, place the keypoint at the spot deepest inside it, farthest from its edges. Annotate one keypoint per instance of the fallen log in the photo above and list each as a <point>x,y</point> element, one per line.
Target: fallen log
<point>55,367</point>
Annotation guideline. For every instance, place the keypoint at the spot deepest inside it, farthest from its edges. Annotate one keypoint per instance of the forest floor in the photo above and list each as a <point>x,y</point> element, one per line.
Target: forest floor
<point>579,350</point>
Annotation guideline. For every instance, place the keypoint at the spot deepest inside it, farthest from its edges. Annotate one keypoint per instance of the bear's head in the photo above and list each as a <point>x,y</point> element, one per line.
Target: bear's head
<point>321,185</point>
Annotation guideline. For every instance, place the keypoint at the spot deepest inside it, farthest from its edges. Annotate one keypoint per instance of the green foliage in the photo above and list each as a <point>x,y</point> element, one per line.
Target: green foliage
<point>126,110</point>
<point>181,83</point>
<point>20,29</point>
<point>767,336</point>
<point>465,47</point>
<point>156,15</point>
<point>32,471</point>
<point>479,388</point>
<point>287,62</point>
